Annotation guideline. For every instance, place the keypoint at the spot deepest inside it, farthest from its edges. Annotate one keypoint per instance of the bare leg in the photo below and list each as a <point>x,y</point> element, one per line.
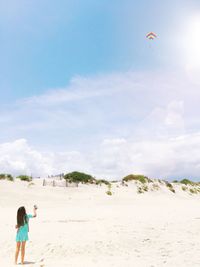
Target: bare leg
<point>18,244</point>
<point>23,252</point>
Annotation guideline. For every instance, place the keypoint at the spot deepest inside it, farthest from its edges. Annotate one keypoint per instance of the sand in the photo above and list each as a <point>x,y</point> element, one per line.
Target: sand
<point>85,227</point>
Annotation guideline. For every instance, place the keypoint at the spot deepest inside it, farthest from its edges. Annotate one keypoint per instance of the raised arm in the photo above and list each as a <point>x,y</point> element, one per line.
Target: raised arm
<point>35,211</point>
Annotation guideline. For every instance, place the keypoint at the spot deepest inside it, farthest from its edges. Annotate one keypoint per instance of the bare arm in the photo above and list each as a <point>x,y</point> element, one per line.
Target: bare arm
<point>34,213</point>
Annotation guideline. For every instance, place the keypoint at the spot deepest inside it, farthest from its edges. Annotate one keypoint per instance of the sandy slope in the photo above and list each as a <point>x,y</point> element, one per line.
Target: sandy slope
<point>84,227</point>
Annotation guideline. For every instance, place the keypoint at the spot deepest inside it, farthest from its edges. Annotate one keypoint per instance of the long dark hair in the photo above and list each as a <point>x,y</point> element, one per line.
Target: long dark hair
<point>21,216</point>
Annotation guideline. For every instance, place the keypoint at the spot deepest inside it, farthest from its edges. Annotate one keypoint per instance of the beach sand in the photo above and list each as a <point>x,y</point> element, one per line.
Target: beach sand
<point>84,227</point>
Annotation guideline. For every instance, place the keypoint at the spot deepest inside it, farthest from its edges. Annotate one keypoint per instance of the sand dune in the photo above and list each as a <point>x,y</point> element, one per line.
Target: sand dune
<point>85,227</point>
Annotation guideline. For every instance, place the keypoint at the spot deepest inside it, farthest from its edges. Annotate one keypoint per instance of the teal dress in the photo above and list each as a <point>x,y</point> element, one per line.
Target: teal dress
<point>22,232</point>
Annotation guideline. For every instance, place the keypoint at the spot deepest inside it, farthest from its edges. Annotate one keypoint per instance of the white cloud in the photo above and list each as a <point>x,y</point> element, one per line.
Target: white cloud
<point>159,158</point>
<point>113,159</point>
<point>175,116</point>
<point>107,125</point>
<point>18,157</point>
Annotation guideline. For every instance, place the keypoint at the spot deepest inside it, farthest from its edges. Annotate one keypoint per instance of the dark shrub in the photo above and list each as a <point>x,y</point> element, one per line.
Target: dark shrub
<point>170,186</point>
<point>193,191</point>
<point>25,178</point>
<point>184,188</point>
<point>9,177</point>
<point>186,182</point>
<point>78,177</point>
<point>4,176</point>
<point>136,177</point>
<point>99,182</point>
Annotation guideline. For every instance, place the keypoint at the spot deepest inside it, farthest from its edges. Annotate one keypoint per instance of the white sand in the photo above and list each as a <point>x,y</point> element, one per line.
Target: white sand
<point>84,227</point>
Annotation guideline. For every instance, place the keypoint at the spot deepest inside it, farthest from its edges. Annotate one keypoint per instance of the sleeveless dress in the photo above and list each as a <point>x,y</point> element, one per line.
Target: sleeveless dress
<point>22,232</point>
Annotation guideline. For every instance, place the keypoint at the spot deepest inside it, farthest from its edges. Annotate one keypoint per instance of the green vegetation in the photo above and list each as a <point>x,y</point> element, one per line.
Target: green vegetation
<point>79,177</point>
<point>142,189</point>
<point>136,177</point>
<point>25,178</point>
<point>186,182</point>
<point>193,191</point>
<point>139,190</point>
<point>145,188</point>
<point>170,187</point>
<point>184,188</point>
<point>100,182</point>
<point>155,187</point>
<point>108,192</point>
<point>172,190</point>
<point>5,176</point>
<point>9,177</point>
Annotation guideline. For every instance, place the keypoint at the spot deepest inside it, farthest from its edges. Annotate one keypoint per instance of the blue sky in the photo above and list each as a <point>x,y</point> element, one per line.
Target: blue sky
<point>81,87</point>
<point>45,43</point>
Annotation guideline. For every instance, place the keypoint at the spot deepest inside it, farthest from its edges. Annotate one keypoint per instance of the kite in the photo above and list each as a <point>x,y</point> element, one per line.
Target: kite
<point>151,36</point>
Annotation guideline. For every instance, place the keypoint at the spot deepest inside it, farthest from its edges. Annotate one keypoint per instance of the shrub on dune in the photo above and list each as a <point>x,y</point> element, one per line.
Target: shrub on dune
<point>25,178</point>
<point>186,182</point>
<point>142,189</point>
<point>184,188</point>
<point>9,177</point>
<point>102,181</point>
<point>136,177</point>
<point>155,187</point>
<point>79,177</point>
<point>4,176</point>
<point>170,187</point>
<point>108,192</point>
<point>193,191</point>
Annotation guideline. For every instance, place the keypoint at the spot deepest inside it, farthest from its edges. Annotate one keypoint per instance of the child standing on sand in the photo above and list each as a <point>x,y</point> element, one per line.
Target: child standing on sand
<point>22,231</point>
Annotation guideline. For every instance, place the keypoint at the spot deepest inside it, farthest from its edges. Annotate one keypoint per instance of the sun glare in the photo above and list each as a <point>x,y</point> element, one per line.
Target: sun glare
<point>191,45</point>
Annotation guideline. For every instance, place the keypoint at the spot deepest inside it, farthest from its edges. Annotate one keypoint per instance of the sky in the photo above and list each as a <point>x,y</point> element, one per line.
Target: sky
<point>82,88</point>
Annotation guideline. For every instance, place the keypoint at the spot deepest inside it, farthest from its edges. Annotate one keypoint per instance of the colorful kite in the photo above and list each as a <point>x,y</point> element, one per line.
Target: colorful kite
<point>151,35</point>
